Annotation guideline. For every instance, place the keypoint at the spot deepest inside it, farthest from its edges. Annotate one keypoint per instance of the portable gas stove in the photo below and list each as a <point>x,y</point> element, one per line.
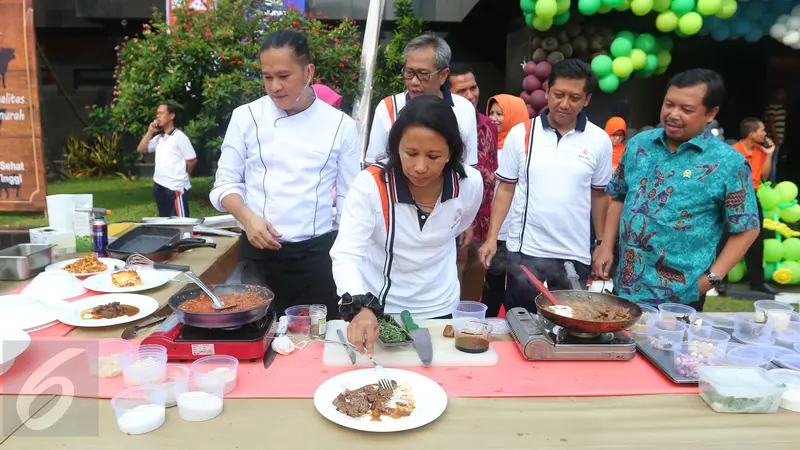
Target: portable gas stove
<point>187,343</point>
<point>541,340</point>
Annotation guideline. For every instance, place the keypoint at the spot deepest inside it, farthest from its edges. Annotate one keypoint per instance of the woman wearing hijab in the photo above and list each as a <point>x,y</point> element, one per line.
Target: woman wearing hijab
<point>506,111</point>
<point>280,158</point>
<point>616,129</point>
<point>395,247</point>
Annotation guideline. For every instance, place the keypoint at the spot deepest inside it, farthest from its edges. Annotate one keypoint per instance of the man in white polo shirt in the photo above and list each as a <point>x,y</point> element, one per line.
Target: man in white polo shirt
<point>175,160</point>
<point>427,66</point>
<point>560,163</point>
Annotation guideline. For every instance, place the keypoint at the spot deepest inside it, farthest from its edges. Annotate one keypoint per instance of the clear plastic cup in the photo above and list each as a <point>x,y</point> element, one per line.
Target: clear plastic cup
<point>777,312</point>
<point>749,356</point>
<point>104,358</point>
<point>665,333</point>
<point>299,322</point>
<point>222,366</point>
<point>789,361</point>
<point>153,348</point>
<point>789,336</point>
<point>140,410</point>
<point>143,367</point>
<point>677,310</point>
<point>707,341</point>
<point>176,382</point>
<point>639,329</point>
<point>687,360</point>
<point>473,310</point>
<point>748,329</point>
<point>204,400</point>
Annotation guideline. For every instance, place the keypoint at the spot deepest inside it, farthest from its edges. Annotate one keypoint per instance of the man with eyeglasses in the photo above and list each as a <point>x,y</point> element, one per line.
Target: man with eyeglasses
<point>427,66</point>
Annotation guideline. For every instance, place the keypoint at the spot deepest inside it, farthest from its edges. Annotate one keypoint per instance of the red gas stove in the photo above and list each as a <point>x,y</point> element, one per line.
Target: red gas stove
<point>188,343</point>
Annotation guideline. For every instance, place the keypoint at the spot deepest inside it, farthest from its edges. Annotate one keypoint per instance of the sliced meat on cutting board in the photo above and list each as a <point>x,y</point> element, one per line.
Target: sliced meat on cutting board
<point>444,350</point>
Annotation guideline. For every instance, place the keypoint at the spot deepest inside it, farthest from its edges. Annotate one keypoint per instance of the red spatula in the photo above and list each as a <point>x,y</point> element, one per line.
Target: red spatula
<point>539,285</point>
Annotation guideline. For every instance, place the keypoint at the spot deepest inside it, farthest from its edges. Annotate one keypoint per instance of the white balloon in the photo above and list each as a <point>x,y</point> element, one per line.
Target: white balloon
<point>791,38</point>
<point>778,31</point>
<point>783,19</point>
<point>796,45</point>
<point>796,10</point>
<point>715,132</point>
<point>793,23</point>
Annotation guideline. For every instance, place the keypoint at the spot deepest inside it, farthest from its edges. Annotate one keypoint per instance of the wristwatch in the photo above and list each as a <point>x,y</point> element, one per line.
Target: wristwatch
<point>597,242</point>
<point>713,279</point>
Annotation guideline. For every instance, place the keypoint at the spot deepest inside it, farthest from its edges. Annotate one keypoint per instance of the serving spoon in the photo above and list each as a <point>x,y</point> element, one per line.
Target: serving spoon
<point>216,303</point>
<point>557,308</point>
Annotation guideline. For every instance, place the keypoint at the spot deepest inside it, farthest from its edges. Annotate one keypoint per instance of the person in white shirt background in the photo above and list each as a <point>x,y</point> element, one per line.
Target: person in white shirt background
<point>175,160</point>
<point>281,156</point>
<point>427,66</point>
<point>395,249</point>
<point>560,163</point>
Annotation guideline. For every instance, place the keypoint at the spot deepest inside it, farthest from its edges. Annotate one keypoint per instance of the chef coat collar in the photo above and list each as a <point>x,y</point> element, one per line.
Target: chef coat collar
<point>580,125</point>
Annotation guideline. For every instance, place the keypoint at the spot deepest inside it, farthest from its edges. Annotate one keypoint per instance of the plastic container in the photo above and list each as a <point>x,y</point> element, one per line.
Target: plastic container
<point>474,336</point>
<point>499,326</point>
<point>789,336</point>
<point>775,311</point>
<point>175,383</point>
<point>721,323</point>
<point>153,348</point>
<point>222,366</point>
<point>473,310</point>
<point>707,341</point>
<point>299,322</point>
<point>204,401</point>
<point>104,358</point>
<point>665,333</point>
<point>749,356</point>
<point>143,367</point>
<point>791,396</point>
<point>739,389</point>
<point>778,351</point>
<point>140,410</point>
<point>648,312</point>
<point>676,309</point>
<point>747,329</point>
<point>789,361</point>
<point>687,360</point>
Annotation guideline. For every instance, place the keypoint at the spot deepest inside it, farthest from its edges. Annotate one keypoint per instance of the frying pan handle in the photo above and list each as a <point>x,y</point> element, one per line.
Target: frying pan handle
<point>162,266</point>
<point>188,244</point>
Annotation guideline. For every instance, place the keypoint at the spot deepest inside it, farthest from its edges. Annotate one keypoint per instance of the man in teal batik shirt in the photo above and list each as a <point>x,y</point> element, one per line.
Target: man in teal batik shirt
<point>676,189</point>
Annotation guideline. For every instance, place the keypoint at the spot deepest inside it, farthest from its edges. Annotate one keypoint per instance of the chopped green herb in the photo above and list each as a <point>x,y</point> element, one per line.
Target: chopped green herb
<point>391,331</point>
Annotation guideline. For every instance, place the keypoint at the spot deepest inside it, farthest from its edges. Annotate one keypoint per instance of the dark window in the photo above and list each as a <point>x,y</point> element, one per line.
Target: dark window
<point>93,78</point>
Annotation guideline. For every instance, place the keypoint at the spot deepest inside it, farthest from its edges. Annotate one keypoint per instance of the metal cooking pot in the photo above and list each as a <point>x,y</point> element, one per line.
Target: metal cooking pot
<point>221,319</point>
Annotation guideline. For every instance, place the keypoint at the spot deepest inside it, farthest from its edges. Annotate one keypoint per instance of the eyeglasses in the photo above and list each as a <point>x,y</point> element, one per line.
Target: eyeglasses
<point>409,74</point>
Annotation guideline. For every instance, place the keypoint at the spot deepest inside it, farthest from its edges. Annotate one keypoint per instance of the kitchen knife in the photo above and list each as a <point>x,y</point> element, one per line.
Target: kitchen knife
<point>421,337</point>
<point>350,351</point>
<point>280,329</point>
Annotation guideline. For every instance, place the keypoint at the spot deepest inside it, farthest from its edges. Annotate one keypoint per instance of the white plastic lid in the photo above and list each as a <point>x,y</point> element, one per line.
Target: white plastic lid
<point>789,361</point>
<point>791,396</point>
<point>499,326</point>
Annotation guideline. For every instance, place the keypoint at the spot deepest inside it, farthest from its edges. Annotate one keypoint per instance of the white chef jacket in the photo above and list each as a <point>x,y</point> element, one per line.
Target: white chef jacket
<point>387,111</point>
<point>172,151</point>
<point>401,255</point>
<point>285,167</point>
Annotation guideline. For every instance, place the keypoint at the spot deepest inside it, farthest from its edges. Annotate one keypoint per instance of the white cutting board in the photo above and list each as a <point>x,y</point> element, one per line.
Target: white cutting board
<point>444,350</point>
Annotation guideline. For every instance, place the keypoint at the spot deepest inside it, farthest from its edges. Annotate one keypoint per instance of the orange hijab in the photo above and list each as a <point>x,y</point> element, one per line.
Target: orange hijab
<point>613,125</point>
<point>514,112</point>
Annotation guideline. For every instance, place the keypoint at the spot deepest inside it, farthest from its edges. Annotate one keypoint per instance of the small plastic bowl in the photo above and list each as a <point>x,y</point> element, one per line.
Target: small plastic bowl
<point>791,378</point>
<point>708,339</point>
<point>789,361</point>
<point>778,312</point>
<point>140,410</point>
<point>175,383</point>
<point>747,329</point>
<point>665,334</point>
<point>104,358</point>
<point>677,310</point>
<point>749,356</point>
<point>223,366</point>
<point>144,367</point>
<point>299,321</point>
<point>687,361</point>
<point>789,336</point>
<point>473,310</point>
<point>197,410</point>
<point>153,348</point>
<point>640,327</point>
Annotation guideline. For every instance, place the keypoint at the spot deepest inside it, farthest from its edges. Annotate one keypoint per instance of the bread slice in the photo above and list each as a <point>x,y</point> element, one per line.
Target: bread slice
<point>126,278</point>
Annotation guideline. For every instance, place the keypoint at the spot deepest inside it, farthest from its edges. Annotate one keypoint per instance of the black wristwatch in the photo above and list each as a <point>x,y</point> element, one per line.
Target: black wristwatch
<point>713,279</point>
<point>351,305</point>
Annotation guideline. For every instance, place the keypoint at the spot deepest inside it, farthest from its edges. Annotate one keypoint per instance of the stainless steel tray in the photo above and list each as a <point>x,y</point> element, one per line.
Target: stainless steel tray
<point>663,359</point>
<point>23,261</point>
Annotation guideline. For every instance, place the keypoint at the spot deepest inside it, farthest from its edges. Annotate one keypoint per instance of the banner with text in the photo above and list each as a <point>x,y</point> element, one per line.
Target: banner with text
<point>22,177</point>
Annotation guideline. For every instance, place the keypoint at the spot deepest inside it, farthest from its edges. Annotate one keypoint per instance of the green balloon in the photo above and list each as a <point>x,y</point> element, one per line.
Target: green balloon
<point>561,19</point>
<point>727,10</point>
<point>737,273</point>
<point>773,214</point>
<point>791,249</point>
<point>609,83</point>
<point>527,6</point>
<point>708,7</point>
<point>602,65</point>
<point>628,35</point>
<point>651,63</point>
<point>589,7</point>
<point>624,6</point>
<point>563,6</point>
<point>638,58</point>
<point>641,7</point>
<point>660,6</point>
<point>664,43</point>
<point>690,23</point>
<point>546,8</point>
<point>681,7</point>
<point>621,46</point>
<point>622,67</point>
<point>769,199</point>
<point>667,21</point>
<point>613,3</point>
<point>604,9</point>
<point>645,42</point>
<point>542,23</point>
<point>769,269</point>
<point>790,214</point>
<point>787,191</point>
<point>664,58</point>
<point>773,250</point>
<point>794,267</point>
<point>644,74</point>
<point>660,70</point>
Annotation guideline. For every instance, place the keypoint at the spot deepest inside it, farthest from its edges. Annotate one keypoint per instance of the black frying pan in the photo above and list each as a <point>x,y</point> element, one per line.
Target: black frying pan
<point>156,243</point>
<point>221,319</point>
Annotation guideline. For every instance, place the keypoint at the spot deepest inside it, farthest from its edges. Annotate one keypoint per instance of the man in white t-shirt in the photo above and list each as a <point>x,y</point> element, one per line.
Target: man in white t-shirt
<point>175,160</point>
<point>559,164</point>
<point>427,66</point>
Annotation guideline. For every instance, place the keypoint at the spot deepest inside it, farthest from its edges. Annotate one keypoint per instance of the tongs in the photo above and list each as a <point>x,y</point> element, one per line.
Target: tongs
<point>216,302</point>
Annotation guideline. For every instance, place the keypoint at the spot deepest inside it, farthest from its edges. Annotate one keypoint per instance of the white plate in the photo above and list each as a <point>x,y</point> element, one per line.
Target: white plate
<point>150,279</point>
<point>430,400</point>
<point>112,266</point>
<point>28,313</point>
<point>72,314</point>
<point>12,343</point>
